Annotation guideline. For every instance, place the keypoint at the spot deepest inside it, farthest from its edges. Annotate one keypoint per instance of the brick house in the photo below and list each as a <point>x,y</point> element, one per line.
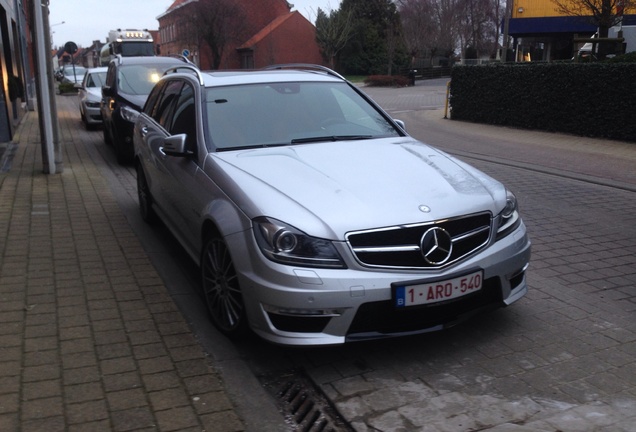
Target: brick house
<point>270,34</point>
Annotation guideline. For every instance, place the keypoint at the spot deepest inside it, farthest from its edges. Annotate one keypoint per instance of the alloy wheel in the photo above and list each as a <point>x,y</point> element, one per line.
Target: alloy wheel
<point>221,288</point>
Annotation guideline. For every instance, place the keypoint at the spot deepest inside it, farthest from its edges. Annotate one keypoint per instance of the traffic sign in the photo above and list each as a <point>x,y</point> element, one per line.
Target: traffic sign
<point>70,47</point>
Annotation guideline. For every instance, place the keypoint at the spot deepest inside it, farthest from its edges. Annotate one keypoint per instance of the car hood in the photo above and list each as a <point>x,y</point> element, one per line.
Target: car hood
<point>94,94</point>
<point>134,101</point>
<point>328,189</point>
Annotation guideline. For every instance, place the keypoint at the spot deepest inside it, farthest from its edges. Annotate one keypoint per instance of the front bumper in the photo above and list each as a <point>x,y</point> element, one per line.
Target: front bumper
<point>93,115</point>
<point>301,306</point>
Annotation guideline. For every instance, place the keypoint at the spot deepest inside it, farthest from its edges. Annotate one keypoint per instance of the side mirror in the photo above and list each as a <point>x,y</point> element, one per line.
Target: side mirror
<point>401,124</point>
<point>175,145</point>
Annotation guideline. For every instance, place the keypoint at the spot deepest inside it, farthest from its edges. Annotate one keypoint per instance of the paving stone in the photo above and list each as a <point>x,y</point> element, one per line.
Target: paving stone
<point>41,389</point>
<point>42,408</point>
<point>133,419</point>
<point>126,399</point>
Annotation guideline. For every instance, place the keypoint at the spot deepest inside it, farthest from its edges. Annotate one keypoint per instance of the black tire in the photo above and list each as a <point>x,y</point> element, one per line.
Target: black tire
<point>145,198</point>
<point>221,289</point>
<point>83,118</point>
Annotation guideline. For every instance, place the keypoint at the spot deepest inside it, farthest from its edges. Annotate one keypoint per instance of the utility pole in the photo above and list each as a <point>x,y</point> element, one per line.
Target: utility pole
<point>509,4</point>
<point>45,90</point>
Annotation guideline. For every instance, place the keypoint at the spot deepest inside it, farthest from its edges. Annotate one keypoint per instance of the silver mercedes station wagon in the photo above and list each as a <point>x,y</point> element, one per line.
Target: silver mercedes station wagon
<point>313,216</point>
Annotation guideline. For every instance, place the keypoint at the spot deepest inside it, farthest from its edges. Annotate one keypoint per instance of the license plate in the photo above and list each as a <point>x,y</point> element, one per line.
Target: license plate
<point>439,291</point>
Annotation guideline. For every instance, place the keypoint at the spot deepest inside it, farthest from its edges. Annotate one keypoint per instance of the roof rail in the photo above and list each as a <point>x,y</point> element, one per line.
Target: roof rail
<point>180,57</point>
<point>187,67</point>
<point>306,66</point>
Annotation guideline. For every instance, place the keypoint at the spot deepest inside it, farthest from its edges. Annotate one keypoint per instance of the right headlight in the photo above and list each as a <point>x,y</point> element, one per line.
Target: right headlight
<point>285,244</point>
<point>129,114</point>
<point>508,219</point>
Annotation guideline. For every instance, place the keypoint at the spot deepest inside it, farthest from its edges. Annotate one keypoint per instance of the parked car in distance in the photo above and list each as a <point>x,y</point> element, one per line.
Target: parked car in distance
<point>58,74</point>
<point>90,96</point>
<point>128,83</point>
<point>73,74</point>
<point>313,216</point>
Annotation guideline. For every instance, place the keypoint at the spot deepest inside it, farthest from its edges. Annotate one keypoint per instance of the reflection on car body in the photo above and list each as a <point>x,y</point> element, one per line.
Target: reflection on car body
<point>314,218</point>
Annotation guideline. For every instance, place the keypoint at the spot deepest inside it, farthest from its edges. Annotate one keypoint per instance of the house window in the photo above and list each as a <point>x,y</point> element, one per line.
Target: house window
<point>247,60</point>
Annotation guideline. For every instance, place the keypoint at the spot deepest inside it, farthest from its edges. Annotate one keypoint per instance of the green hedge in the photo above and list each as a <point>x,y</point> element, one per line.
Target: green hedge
<point>587,99</point>
<point>67,88</point>
<point>386,81</point>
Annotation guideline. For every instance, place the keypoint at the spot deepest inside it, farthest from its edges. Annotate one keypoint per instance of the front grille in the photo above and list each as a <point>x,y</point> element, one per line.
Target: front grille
<point>400,246</point>
<point>383,318</point>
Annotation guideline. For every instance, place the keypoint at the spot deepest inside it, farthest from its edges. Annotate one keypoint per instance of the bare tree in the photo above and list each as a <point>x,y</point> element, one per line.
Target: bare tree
<point>478,26</point>
<point>418,28</point>
<point>446,14</point>
<point>601,13</point>
<point>443,26</point>
<point>333,31</point>
<point>215,24</point>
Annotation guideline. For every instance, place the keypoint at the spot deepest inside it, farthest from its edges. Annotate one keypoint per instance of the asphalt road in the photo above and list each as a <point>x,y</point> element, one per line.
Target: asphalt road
<point>563,358</point>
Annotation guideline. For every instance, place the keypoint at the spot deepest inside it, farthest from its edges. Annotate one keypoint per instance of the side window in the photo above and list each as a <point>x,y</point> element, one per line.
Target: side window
<point>184,119</point>
<point>152,100</point>
<point>111,75</point>
<point>162,112</point>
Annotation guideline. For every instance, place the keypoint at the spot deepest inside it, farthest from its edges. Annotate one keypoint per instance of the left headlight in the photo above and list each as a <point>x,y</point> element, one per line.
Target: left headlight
<point>285,244</point>
<point>508,220</point>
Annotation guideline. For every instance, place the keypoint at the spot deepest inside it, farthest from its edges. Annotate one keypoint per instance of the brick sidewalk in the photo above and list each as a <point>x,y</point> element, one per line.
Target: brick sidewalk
<point>90,340</point>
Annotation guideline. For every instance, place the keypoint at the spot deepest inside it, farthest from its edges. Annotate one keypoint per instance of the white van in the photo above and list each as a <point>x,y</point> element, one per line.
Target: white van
<point>629,36</point>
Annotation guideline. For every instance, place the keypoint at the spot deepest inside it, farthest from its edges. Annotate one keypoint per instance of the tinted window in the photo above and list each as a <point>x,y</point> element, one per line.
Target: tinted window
<point>184,118</point>
<point>128,49</point>
<point>111,75</point>
<point>165,104</point>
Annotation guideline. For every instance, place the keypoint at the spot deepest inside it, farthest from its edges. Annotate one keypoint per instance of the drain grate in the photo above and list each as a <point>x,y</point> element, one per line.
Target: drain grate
<point>304,406</point>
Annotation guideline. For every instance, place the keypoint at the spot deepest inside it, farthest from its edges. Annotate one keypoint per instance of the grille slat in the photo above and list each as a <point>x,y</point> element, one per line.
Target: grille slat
<point>399,246</point>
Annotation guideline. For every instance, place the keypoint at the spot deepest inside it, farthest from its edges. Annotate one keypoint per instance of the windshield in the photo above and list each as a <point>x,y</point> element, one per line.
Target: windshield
<point>96,79</point>
<point>74,71</point>
<point>129,49</point>
<point>261,115</point>
<point>140,79</point>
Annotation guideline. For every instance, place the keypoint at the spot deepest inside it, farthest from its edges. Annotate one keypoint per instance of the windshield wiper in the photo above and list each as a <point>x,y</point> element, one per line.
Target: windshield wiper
<point>330,138</point>
<point>251,147</point>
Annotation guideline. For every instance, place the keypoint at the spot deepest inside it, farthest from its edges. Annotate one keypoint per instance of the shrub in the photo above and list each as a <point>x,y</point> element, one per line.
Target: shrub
<point>589,99</point>
<point>625,58</point>
<point>67,88</point>
<point>386,81</point>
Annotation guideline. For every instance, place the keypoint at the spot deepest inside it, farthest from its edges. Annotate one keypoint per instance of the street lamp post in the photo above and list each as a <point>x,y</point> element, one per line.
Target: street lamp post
<point>53,25</point>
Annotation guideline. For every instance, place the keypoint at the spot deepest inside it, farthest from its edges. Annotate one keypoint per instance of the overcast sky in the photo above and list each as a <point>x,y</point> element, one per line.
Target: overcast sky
<point>88,20</point>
